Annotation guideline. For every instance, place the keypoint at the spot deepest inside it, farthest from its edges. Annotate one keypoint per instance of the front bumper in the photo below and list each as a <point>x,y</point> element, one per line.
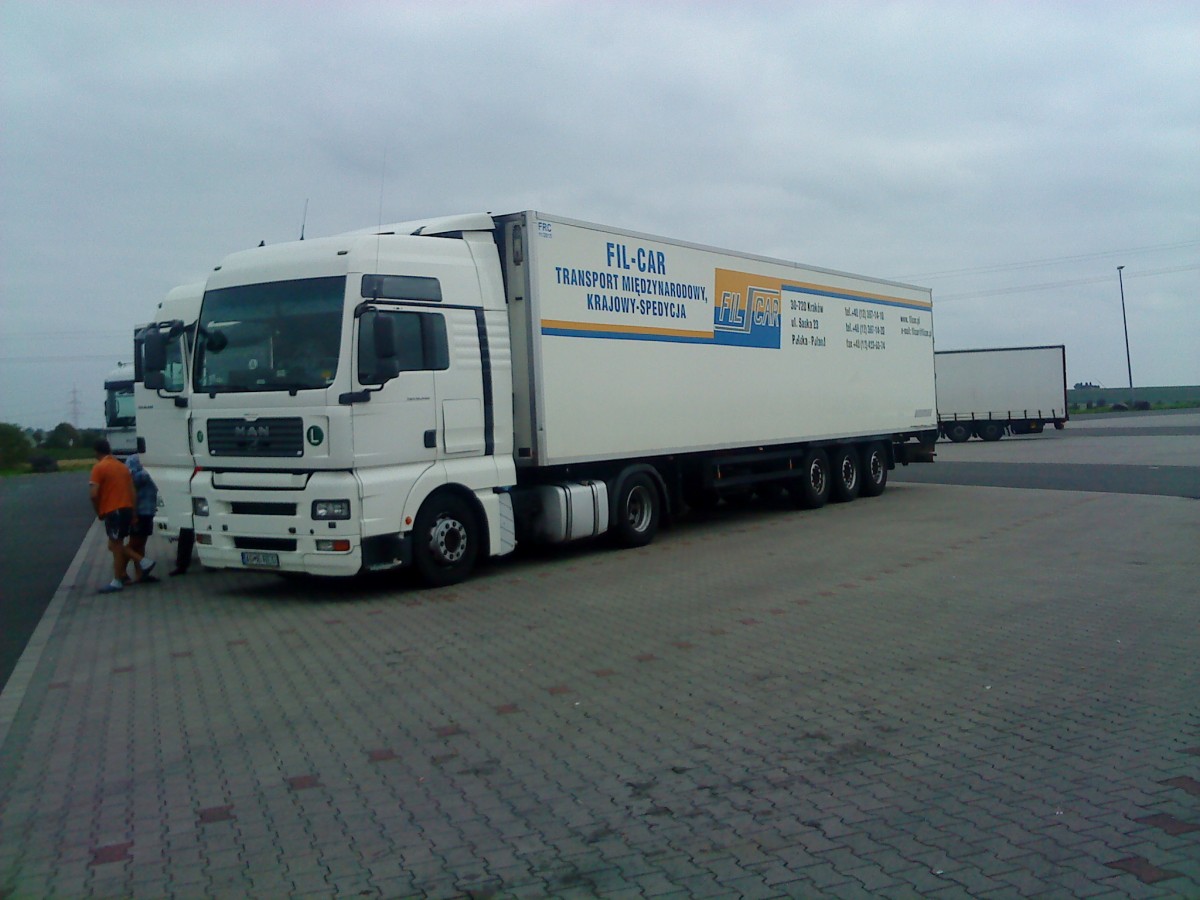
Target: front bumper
<point>263,522</point>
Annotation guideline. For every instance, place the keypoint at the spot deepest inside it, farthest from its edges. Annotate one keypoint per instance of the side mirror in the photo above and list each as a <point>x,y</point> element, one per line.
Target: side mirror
<point>154,354</point>
<point>385,337</point>
<point>383,332</point>
<point>387,369</point>
<point>155,381</point>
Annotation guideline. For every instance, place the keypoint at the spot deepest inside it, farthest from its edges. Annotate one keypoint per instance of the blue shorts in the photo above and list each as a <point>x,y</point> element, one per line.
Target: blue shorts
<point>143,527</point>
<point>117,522</point>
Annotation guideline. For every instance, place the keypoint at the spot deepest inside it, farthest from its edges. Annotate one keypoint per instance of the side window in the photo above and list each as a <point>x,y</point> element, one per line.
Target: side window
<point>419,338</point>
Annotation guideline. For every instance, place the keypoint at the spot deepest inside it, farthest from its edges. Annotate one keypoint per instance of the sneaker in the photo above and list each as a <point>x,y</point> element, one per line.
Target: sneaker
<point>147,579</point>
<point>148,566</point>
<point>111,588</point>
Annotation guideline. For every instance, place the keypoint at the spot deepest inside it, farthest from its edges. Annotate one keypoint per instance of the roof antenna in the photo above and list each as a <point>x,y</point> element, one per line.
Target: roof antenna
<point>305,219</point>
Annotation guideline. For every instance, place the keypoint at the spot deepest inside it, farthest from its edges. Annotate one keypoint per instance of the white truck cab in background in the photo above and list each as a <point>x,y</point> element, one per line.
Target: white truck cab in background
<point>163,410</point>
<point>425,394</point>
<point>120,427</point>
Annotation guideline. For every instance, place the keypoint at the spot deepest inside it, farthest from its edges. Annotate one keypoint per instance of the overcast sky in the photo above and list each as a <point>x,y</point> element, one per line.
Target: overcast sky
<point>1008,155</point>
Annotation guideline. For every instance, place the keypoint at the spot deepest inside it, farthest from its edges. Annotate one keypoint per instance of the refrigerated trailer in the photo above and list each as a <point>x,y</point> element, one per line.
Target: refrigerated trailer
<point>987,393</point>
<point>428,394</point>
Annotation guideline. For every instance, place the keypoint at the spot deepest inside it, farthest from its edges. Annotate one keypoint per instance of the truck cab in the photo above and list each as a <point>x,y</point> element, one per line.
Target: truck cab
<point>119,411</point>
<point>337,386</point>
<point>163,409</point>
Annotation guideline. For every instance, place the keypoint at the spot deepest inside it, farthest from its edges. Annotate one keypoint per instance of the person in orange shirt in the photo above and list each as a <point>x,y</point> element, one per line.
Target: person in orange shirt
<point>113,498</point>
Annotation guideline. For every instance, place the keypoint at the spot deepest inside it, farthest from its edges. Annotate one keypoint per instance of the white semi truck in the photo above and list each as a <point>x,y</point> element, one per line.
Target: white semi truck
<point>987,393</point>
<point>427,394</point>
<point>163,412</point>
<point>119,417</point>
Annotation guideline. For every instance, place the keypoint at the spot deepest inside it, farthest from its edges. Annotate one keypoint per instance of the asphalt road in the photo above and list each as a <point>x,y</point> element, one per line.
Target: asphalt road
<point>45,518</point>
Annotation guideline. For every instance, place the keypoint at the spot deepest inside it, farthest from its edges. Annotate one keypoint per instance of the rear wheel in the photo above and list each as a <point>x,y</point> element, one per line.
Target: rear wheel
<point>811,489</point>
<point>445,540</point>
<point>874,473</point>
<point>846,480</point>
<point>991,431</point>
<point>958,432</point>
<point>637,511</point>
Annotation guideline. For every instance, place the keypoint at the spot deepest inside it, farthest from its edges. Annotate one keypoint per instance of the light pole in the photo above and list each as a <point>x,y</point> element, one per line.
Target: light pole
<point>1125,323</point>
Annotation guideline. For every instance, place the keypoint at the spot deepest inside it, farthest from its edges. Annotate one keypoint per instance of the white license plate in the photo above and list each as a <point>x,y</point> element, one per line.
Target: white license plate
<point>262,560</point>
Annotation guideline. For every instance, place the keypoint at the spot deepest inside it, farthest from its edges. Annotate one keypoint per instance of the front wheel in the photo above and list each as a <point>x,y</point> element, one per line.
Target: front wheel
<point>874,469</point>
<point>846,474</point>
<point>637,512</point>
<point>445,540</point>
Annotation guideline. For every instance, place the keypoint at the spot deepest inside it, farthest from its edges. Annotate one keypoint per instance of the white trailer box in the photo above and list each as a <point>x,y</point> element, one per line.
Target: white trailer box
<point>989,392</point>
<point>626,345</point>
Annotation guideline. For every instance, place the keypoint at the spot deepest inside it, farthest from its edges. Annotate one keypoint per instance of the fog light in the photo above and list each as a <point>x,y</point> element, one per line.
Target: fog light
<point>331,509</point>
<point>340,545</point>
<point>199,506</point>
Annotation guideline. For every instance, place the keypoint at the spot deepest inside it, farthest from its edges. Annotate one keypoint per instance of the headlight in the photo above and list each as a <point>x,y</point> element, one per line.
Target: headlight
<point>199,506</point>
<point>331,509</point>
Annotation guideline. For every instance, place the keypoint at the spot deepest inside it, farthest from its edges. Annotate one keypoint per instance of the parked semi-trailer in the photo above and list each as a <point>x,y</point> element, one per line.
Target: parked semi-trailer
<point>163,410</point>
<point>428,394</point>
<point>986,393</point>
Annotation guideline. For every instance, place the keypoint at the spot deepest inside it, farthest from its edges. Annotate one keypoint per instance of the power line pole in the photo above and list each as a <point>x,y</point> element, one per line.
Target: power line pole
<point>1125,323</point>
<point>74,406</point>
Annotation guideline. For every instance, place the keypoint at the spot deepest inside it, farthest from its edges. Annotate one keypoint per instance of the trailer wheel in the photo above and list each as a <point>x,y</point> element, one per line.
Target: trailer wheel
<point>811,489</point>
<point>637,511</point>
<point>991,431</point>
<point>958,432</point>
<point>874,469</point>
<point>445,540</point>
<point>846,475</point>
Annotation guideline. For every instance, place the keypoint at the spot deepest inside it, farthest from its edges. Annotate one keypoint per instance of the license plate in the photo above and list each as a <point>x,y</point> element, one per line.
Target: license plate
<point>262,560</point>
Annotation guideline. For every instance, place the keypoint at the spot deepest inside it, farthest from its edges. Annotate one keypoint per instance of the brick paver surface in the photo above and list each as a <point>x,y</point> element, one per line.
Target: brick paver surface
<point>941,692</point>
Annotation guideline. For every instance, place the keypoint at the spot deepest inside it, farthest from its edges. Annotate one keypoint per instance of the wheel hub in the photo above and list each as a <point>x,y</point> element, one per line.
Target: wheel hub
<point>448,540</point>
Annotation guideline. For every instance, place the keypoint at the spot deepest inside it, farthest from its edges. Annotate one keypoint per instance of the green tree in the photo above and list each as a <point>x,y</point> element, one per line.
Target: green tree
<point>14,446</point>
<point>63,437</point>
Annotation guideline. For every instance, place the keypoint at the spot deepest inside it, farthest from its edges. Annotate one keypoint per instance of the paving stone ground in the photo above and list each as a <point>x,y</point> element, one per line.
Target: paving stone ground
<point>945,691</point>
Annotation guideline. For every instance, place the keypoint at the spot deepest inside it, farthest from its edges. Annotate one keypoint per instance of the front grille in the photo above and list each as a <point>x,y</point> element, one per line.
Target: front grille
<point>252,543</point>
<point>262,437</point>
<point>246,508</point>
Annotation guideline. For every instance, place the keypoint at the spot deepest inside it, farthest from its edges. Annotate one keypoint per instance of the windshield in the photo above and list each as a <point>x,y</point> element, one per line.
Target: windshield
<point>119,409</point>
<point>277,336</point>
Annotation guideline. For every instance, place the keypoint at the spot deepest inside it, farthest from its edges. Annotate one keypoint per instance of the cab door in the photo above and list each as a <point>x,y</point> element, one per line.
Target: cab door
<point>460,388</point>
<point>395,430</point>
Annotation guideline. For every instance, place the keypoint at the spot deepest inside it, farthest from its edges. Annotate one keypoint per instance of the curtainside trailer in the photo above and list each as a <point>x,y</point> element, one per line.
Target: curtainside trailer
<point>988,393</point>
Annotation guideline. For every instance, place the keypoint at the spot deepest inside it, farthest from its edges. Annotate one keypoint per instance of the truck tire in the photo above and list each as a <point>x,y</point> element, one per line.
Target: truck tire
<point>811,489</point>
<point>636,511</point>
<point>991,431</point>
<point>846,475</point>
<point>446,540</point>
<point>958,432</point>
<point>874,472</point>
